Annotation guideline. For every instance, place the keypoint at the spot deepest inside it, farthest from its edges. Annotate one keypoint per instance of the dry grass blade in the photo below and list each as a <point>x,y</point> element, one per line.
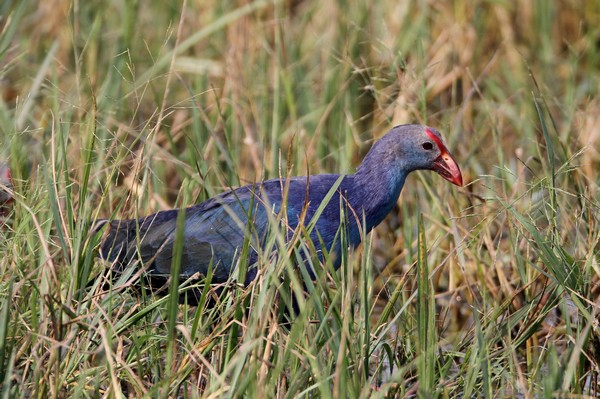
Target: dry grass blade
<point>119,109</point>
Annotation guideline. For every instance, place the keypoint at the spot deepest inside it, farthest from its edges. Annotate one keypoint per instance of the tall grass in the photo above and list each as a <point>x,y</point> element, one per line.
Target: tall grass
<point>120,109</point>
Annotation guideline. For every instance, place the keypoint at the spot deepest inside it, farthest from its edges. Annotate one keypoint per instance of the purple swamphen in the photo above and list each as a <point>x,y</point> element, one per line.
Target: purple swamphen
<point>214,230</point>
<point>6,186</point>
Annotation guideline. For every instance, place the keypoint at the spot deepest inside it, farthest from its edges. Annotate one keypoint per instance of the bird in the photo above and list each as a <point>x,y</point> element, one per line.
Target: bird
<point>214,230</point>
<point>6,187</point>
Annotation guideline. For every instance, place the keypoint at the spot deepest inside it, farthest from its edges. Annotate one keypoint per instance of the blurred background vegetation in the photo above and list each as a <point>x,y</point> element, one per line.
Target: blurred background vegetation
<point>119,108</point>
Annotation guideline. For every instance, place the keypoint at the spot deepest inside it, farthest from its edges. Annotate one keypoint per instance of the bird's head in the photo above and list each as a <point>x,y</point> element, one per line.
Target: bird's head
<point>5,185</point>
<point>439,157</point>
<point>6,194</point>
<point>416,147</point>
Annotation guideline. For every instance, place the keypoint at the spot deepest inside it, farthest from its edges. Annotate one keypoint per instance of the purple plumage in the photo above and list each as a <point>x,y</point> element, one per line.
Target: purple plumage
<point>215,230</point>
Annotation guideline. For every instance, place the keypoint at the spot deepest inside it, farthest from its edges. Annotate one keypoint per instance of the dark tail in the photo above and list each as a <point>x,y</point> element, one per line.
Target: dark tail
<point>117,247</point>
<point>115,242</point>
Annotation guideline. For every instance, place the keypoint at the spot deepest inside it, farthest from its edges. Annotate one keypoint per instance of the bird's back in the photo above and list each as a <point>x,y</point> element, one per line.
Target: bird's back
<point>214,230</point>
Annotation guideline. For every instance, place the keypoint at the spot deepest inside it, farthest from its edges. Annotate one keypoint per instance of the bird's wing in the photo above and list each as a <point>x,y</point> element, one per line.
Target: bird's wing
<point>214,230</point>
<point>213,234</point>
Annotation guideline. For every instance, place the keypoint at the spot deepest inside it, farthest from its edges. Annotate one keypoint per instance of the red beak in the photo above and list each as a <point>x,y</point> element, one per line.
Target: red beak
<point>447,167</point>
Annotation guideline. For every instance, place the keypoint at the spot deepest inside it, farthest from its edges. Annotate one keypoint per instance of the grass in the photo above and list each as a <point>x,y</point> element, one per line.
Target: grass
<point>120,109</point>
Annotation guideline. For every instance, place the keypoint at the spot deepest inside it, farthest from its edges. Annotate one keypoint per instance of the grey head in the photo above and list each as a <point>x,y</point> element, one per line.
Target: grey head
<point>406,148</point>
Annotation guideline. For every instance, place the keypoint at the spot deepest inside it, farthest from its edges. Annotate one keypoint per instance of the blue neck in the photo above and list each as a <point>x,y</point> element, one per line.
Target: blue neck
<point>376,191</point>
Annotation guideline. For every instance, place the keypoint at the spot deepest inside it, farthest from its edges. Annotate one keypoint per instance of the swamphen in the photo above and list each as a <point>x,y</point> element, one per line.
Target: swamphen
<point>6,186</point>
<point>214,230</point>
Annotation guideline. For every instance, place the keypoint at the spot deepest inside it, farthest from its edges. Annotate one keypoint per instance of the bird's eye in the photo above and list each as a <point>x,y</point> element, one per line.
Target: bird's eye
<point>427,145</point>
